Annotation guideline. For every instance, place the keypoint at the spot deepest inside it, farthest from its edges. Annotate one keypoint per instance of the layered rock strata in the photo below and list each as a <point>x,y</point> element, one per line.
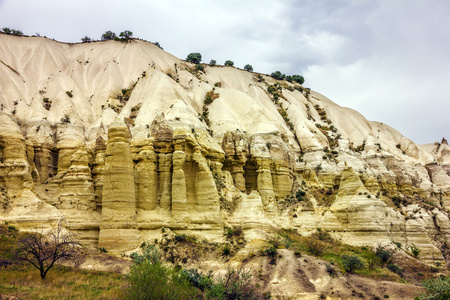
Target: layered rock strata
<point>122,140</point>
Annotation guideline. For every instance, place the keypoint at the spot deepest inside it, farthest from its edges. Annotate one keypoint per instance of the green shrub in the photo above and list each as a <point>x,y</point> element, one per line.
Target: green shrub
<point>69,93</point>
<point>150,279</point>
<point>396,269</point>
<point>199,67</point>
<point>194,58</point>
<point>437,288</point>
<point>352,263</point>
<point>299,195</point>
<point>12,31</point>
<point>330,270</point>
<point>414,250</point>
<point>278,75</point>
<point>248,67</point>
<point>158,45</point>
<point>86,39</point>
<point>212,62</point>
<point>236,284</point>
<point>108,35</point>
<point>6,30</point>
<point>126,35</point>
<point>226,250</point>
<point>272,252</point>
<point>383,253</point>
<point>180,238</point>
<point>198,279</point>
<point>229,63</point>
<point>298,79</point>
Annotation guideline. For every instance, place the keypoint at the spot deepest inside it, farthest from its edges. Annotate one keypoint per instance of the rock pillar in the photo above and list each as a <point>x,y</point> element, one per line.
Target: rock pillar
<point>237,171</point>
<point>118,222</point>
<point>179,208</point>
<point>164,180</point>
<point>206,192</point>
<point>146,179</point>
<point>264,183</point>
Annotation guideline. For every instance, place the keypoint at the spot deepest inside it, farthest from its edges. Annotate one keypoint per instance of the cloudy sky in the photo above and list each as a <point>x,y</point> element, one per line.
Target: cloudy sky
<point>389,60</point>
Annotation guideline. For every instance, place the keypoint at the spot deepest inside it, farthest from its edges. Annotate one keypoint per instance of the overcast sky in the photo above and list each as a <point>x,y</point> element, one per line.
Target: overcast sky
<point>389,60</point>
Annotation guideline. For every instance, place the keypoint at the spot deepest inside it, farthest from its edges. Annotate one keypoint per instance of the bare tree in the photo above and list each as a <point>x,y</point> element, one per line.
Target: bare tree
<point>42,250</point>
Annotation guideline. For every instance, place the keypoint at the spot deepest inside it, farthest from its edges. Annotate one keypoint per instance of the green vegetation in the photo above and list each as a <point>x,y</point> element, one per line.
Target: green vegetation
<point>351,259</point>
<point>278,75</point>
<point>291,78</point>
<point>352,263</point>
<point>209,98</point>
<point>248,67</point>
<point>414,250</point>
<point>69,93</point>
<point>199,67</point>
<point>20,278</point>
<point>229,63</point>
<point>437,289</point>
<point>108,35</point>
<point>86,39</point>
<point>212,62</point>
<point>194,58</point>
<point>150,278</point>
<point>295,78</point>
<point>8,30</point>
<point>126,35</point>
<point>47,103</point>
<point>383,253</point>
<point>158,45</point>
<point>299,195</point>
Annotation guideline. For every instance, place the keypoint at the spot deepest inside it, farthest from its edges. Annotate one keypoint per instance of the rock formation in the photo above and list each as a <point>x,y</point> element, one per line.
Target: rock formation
<point>121,139</point>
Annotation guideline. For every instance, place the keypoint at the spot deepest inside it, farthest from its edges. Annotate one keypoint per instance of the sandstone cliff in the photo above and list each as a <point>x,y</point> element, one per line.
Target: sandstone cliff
<point>123,139</point>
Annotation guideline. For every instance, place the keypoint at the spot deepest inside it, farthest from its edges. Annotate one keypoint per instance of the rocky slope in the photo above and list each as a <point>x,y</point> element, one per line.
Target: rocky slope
<point>123,139</point>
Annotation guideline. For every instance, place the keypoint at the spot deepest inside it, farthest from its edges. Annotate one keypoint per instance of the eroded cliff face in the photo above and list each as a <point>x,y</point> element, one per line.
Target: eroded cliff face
<point>123,139</point>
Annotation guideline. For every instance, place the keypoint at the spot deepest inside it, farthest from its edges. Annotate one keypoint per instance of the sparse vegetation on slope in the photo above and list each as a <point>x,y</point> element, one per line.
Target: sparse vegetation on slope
<point>151,278</point>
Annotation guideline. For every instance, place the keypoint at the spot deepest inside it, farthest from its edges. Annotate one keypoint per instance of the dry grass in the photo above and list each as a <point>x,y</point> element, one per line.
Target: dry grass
<point>24,282</point>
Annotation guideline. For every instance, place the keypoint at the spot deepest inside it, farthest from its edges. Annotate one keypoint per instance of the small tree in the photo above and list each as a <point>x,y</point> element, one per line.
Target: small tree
<point>6,30</point>
<point>278,75</point>
<point>298,79</point>
<point>86,39</point>
<point>43,250</point>
<point>194,58</point>
<point>108,35</point>
<point>17,32</point>
<point>212,62</point>
<point>248,67</point>
<point>126,35</point>
<point>352,262</point>
<point>229,63</point>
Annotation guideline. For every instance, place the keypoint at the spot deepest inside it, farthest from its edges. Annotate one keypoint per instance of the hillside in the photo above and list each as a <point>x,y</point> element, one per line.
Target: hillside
<point>123,139</point>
